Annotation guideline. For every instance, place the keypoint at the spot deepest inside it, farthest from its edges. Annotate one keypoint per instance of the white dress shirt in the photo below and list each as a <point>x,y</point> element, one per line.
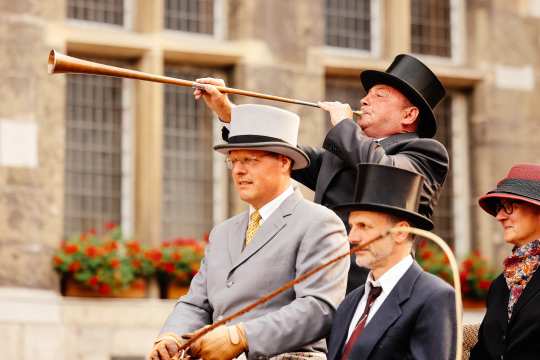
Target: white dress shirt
<point>271,206</point>
<point>387,281</point>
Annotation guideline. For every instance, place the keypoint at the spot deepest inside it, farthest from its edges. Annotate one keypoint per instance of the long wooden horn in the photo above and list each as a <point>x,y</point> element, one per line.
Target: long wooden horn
<point>59,63</point>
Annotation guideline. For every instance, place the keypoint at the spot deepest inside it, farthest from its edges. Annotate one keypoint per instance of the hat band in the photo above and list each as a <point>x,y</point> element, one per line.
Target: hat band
<point>242,139</point>
<point>527,188</point>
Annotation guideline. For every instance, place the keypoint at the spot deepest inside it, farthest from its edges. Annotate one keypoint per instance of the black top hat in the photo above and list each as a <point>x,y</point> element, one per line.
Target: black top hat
<point>390,190</point>
<point>414,80</point>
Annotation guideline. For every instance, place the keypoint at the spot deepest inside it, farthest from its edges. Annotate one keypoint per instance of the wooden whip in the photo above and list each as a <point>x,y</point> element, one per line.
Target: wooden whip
<point>59,63</point>
<point>429,235</point>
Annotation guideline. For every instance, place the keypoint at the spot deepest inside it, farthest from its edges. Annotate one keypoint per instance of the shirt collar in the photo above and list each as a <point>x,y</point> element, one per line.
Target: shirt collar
<point>268,208</point>
<point>391,277</point>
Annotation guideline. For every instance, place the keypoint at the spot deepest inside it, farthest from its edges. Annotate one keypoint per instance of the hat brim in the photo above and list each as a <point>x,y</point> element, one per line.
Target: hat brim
<point>415,219</point>
<point>427,126</point>
<point>299,157</point>
<point>489,201</point>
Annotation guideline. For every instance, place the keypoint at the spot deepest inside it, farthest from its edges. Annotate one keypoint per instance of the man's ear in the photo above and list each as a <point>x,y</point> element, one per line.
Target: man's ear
<point>286,162</point>
<point>410,115</point>
<point>401,237</point>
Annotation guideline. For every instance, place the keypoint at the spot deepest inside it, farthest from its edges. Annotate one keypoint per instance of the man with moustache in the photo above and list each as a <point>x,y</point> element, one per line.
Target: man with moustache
<point>279,238</point>
<point>396,129</point>
<point>401,312</point>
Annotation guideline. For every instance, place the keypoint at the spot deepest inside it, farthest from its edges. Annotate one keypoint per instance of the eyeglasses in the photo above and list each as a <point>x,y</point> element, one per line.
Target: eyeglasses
<point>248,161</point>
<point>506,205</point>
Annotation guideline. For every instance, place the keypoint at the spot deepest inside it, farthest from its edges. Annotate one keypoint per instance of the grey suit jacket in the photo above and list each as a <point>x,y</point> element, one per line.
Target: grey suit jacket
<point>416,321</point>
<point>298,236</point>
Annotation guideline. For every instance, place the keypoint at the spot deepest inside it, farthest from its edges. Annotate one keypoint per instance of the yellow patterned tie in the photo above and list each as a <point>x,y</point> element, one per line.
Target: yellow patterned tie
<point>253,226</point>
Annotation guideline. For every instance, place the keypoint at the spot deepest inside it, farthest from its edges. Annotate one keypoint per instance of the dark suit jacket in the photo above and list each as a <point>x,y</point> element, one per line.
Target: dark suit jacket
<point>416,321</point>
<point>518,339</point>
<point>332,171</point>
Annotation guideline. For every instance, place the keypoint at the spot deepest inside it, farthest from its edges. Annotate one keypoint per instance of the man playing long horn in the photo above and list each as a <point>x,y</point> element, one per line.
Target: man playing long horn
<point>396,129</point>
<point>401,312</point>
<point>280,237</point>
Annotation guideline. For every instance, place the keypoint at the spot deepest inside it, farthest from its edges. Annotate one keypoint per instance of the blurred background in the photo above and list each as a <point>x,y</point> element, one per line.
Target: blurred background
<point>111,181</point>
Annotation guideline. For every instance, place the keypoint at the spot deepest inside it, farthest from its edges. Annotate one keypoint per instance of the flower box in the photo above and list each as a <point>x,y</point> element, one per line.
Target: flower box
<point>71,287</point>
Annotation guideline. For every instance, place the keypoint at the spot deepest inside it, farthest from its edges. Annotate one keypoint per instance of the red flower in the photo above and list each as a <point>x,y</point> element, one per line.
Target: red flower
<point>176,256</point>
<point>74,266</point>
<point>58,260</point>
<point>154,255</point>
<point>114,263</point>
<point>92,232</point>
<point>426,255</point>
<point>468,264</point>
<point>110,226</point>
<point>133,246</point>
<point>93,281</point>
<point>71,248</point>
<point>136,264</point>
<point>91,251</point>
<point>110,246</point>
<point>484,284</point>
<point>104,289</point>
<point>168,267</point>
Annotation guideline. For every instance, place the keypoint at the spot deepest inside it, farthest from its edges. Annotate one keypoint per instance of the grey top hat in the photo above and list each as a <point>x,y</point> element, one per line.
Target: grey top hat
<point>262,127</point>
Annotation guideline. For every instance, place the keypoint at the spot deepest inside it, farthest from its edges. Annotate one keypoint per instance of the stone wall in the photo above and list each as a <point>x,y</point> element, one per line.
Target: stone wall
<point>505,112</point>
<point>31,167</point>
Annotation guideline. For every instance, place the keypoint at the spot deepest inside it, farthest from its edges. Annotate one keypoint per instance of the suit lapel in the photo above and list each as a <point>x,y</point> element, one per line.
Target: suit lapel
<point>341,336</point>
<point>268,230</point>
<point>386,315</point>
<point>389,142</point>
<point>234,243</point>
<point>330,166</point>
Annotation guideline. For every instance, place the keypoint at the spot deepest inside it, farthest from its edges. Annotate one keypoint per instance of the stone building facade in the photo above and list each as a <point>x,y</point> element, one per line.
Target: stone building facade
<point>59,133</point>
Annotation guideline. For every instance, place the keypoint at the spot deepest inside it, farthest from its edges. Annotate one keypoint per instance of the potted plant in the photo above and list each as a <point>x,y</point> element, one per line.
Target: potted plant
<point>476,277</point>
<point>92,265</point>
<point>177,261</point>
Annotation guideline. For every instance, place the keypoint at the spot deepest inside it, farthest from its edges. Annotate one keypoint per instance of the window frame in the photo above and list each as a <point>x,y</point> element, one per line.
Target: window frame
<point>376,7</point>
<point>129,11</point>
<point>457,38</point>
<point>220,24</point>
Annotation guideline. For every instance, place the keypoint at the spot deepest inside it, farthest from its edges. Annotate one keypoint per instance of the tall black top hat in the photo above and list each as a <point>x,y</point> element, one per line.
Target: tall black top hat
<point>388,190</point>
<point>414,80</point>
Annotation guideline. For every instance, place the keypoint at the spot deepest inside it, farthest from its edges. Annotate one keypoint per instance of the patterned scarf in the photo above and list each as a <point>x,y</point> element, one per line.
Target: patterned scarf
<point>519,268</point>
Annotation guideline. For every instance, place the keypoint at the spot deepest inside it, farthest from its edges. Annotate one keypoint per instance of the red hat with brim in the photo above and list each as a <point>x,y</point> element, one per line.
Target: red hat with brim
<point>521,183</point>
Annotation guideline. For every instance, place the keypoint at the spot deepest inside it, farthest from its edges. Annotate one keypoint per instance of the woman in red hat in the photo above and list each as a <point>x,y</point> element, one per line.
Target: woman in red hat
<point>511,327</point>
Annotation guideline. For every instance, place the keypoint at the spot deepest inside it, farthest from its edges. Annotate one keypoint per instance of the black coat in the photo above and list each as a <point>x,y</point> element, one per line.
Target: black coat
<point>416,321</point>
<point>332,171</point>
<point>518,339</point>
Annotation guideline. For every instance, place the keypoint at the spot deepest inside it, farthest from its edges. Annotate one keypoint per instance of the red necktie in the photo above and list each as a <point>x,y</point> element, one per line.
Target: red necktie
<point>373,294</point>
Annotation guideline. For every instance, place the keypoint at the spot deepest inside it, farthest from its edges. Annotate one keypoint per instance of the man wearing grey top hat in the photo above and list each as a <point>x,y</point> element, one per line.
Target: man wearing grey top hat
<point>396,129</point>
<point>279,238</point>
